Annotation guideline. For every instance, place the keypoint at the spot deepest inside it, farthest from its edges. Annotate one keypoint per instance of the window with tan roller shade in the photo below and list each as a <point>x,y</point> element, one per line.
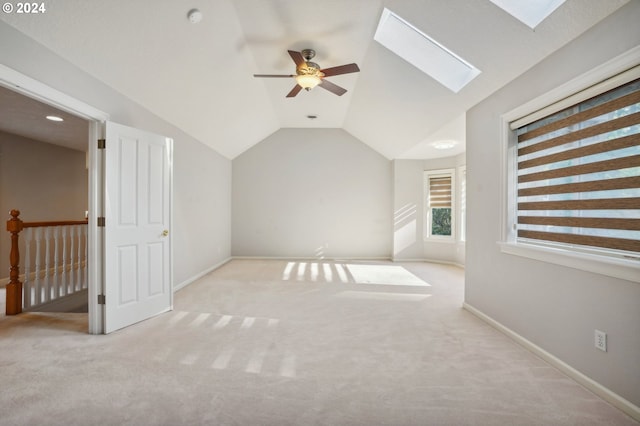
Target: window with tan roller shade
<point>578,173</point>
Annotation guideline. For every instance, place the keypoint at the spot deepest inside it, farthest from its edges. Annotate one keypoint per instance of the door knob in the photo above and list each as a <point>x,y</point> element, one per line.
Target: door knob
<point>165,232</point>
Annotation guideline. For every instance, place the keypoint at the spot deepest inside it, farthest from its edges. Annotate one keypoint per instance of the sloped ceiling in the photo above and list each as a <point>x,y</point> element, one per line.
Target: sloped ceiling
<point>199,76</point>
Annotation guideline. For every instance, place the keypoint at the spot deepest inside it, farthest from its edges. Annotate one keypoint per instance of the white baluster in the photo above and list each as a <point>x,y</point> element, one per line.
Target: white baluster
<point>37,279</point>
<point>58,255</point>
<point>84,256</point>
<point>57,269</point>
<point>72,282</point>
<point>58,289</point>
<point>79,258</point>
<point>47,264</point>
<point>74,260</point>
<point>64,259</point>
<point>27,285</point>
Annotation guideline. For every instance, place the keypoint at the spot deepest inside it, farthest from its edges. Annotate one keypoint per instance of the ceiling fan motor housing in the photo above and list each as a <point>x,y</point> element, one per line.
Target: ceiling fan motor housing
<point>308,54</point>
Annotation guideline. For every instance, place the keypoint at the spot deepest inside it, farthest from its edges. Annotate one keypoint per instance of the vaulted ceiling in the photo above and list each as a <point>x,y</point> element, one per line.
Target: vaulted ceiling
<point>199,77</point>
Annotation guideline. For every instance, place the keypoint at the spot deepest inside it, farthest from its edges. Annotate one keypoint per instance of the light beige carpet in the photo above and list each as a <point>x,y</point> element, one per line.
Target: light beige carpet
<point>290,343</point>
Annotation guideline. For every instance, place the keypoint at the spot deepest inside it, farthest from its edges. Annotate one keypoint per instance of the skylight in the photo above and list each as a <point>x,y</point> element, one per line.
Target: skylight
<point>529,12</point>
<point>423,52</point>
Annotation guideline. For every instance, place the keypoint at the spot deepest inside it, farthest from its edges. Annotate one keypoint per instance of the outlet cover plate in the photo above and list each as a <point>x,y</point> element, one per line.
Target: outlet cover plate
<point>601,340</point>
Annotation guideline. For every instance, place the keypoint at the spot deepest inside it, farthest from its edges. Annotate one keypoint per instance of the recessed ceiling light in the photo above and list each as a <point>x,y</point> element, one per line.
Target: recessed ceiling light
<point>423,52</point>
<point>445,144</point>
<point>529,12</point>
<point>54,118</point>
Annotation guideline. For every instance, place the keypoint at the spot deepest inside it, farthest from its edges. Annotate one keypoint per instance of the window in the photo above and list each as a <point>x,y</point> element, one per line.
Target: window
<point>440,204</point>
<point>578,175</point>
<point>423,52</point>
<point>463,203</point>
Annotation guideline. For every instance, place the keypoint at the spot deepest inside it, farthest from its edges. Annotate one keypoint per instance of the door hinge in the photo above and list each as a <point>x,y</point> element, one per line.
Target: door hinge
<point>101,221</point>
<point>102,143</point>
<point>102,300</point>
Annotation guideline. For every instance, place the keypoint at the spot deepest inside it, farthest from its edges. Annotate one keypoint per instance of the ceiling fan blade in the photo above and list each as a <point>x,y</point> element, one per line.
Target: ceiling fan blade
<point>297,58</point>
<point>274,75</point>
<point>333,88</point>
<point>294,91</point>
<point>342,69</point>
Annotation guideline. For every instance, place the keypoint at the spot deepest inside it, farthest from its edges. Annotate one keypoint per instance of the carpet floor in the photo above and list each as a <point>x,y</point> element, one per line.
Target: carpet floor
<point>277,343</point>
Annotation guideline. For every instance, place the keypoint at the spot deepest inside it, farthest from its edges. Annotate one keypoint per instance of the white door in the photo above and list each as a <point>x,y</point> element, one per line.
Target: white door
<point>137,207</point>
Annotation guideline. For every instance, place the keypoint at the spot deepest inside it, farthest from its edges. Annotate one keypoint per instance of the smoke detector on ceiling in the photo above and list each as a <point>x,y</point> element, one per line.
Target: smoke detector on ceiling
<point>194,16</point>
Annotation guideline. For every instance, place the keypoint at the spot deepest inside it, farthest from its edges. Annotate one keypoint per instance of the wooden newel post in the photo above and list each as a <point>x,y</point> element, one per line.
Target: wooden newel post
<point>14,288</point>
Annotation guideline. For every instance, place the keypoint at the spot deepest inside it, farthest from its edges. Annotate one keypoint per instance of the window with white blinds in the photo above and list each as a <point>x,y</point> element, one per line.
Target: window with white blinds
<point>440,204</point>
<point>463,203</point>
<point>578,174</point>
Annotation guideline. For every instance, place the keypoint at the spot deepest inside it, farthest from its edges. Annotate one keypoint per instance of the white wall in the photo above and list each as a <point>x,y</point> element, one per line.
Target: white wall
<point>408,211</point>
<point>202,221</point>
<point>555,307</point>
<point>202,210</point>
<point>311,193</point>
<point>45,182</point>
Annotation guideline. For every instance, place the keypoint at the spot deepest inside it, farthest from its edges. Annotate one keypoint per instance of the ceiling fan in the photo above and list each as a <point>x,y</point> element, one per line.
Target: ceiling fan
<point>309,75</point>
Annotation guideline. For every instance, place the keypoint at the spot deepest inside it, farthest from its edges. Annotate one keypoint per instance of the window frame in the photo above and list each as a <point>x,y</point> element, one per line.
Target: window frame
<point>625,267</point>
<point>428,236</point>
<point>462,228</point>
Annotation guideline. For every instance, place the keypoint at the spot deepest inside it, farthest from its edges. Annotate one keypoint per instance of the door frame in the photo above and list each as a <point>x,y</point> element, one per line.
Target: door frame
<point>37,90</point>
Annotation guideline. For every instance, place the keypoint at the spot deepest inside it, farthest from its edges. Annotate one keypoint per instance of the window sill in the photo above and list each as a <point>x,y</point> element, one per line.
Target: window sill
<point>626,269</point>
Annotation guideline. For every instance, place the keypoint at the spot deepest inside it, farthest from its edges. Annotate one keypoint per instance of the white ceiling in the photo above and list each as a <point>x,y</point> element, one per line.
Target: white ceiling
<point>199,76</point>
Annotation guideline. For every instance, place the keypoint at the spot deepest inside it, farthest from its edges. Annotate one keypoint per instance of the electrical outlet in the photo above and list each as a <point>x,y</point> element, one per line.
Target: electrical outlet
<point>601,340</point>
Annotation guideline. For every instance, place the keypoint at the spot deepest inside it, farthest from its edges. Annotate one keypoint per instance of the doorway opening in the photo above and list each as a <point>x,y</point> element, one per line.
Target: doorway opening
<point>59,181</point>
<point>129,199</point>
<point>44,175</point>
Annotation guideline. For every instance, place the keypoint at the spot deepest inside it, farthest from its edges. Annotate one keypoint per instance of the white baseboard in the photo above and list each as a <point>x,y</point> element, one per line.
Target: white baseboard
<point>196,277</point>
<point>316,259</point>
<point>403,259</point>
<point>347,259</point>
<point>442,262</point>
<point>614,399</point>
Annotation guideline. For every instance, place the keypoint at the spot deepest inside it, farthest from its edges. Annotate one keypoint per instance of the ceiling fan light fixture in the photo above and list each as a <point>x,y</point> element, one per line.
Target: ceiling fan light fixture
<point>309,74</point>
<point>308,82</point>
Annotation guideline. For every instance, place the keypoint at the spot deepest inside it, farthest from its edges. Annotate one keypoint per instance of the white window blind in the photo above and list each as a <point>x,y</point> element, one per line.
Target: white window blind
<point>579,174</point>
<point>440,191</point>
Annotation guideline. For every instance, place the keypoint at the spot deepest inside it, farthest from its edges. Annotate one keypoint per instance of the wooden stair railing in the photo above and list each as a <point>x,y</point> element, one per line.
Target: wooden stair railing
<point>14,290</point>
